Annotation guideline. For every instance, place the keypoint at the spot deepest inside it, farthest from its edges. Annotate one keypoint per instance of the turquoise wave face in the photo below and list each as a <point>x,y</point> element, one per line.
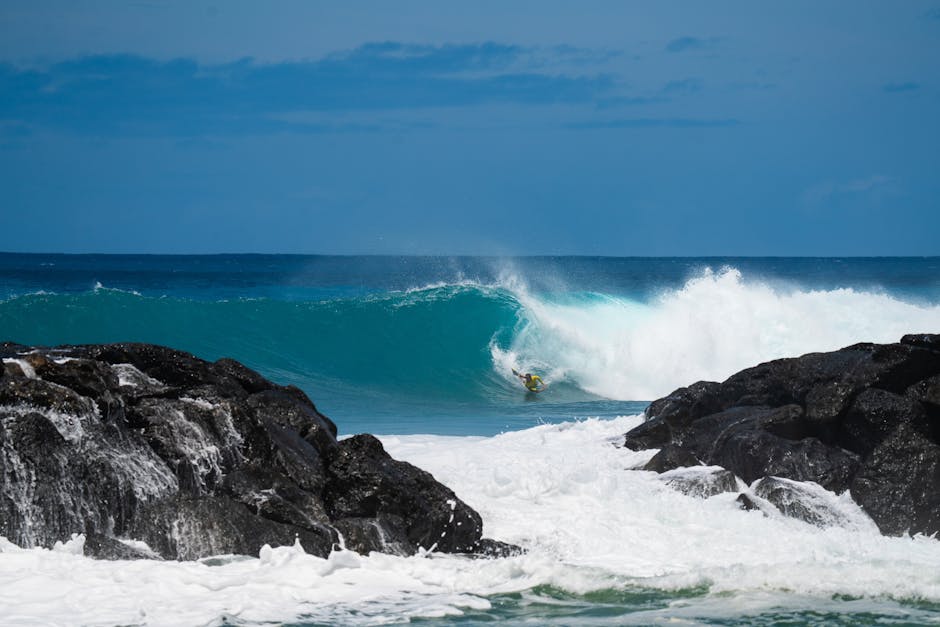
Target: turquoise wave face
<point>432,342</point>
<point>374,355</point>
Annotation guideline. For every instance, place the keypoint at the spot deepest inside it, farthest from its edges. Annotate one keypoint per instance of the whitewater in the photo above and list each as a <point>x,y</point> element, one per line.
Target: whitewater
<point>605,545</point>
<point>713,326</point>
<point>419,351</point>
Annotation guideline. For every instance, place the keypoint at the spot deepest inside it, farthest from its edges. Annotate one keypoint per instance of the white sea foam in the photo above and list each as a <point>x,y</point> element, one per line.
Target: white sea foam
<point>564,492</point>
<point>714,326</point>
<point>129,375</point>
<point>24,365</point>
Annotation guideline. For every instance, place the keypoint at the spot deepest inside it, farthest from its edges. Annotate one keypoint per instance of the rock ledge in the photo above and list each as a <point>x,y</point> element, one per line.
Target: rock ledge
<point>131,443</point>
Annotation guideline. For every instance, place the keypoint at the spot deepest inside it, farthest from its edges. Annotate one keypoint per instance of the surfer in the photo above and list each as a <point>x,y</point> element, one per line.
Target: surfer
<point>532,382</point>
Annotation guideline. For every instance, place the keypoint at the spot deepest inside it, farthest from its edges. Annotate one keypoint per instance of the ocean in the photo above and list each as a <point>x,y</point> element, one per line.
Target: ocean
<point>419,351</point>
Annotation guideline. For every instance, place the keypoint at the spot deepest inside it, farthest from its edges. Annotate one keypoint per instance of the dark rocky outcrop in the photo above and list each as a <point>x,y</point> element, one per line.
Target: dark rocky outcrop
<point>701,482</point>
<point>865,418</point>
<point>671,457</point>
<point>747,503</point>
<point>800,500</point>
<point>899,483</point>
<point>135,443</point>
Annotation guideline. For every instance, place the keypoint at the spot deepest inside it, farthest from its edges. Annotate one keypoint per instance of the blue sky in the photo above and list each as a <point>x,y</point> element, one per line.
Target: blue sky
<point>597,128</point>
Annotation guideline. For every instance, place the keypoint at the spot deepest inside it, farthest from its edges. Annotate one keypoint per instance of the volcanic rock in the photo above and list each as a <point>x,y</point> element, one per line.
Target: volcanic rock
<point>800,500</point>
<point>152,452</point>
<point>701,481</point>
<point>865,418</point>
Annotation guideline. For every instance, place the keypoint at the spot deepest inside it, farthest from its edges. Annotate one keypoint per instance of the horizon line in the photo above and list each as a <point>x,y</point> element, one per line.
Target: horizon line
<point>465,255</point>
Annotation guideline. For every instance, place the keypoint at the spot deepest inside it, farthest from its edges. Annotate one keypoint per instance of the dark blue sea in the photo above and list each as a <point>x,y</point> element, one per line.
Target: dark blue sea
<point>420,350</point>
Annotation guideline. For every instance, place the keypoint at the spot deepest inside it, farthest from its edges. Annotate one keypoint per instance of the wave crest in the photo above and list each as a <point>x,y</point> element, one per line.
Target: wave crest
<point>716,324</point>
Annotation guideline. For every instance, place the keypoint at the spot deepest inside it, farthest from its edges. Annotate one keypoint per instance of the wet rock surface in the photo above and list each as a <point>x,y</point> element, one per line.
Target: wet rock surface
<point>865,418</point>
<point>131,443</point>
<point>701,481</point>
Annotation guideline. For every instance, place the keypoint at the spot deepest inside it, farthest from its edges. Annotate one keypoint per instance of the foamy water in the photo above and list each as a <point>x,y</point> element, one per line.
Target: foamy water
<point>714,326</point>
<point>564,492</point>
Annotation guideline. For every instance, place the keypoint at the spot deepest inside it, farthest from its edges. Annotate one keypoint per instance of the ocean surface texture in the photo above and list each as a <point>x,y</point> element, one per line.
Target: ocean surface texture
<point>419,350</point>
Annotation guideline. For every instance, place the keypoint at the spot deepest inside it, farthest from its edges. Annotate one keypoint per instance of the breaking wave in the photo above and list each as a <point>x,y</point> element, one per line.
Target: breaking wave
<point>460,340</point>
